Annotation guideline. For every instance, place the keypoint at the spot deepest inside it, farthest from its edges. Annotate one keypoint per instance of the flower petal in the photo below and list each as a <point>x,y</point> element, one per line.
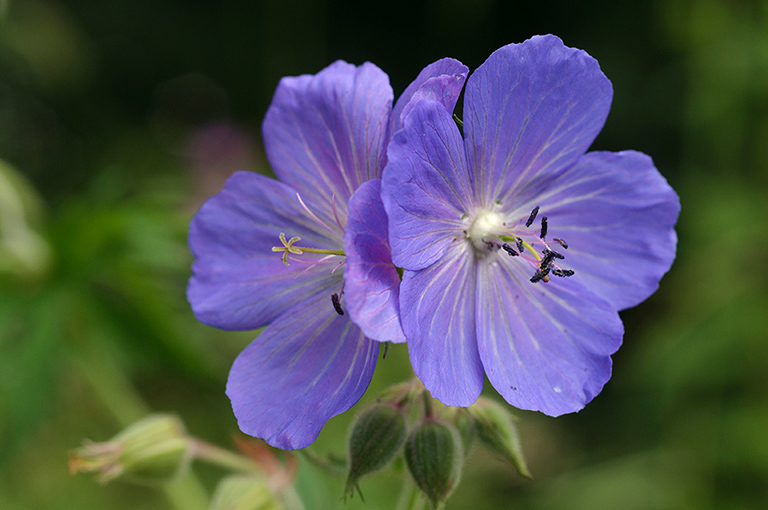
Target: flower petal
<point>237,281</point>
<point>324,134</point>
<point>306,367</point>
<point>426,188</point>
<point>440,81</point>
<point>371,282</point>
<point>437,307</point>
<point>531,109</point>
<point>544,346</point>
<point>617,214</point>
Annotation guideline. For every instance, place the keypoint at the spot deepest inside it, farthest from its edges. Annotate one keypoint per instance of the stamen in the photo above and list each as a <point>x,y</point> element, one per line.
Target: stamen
<point>543,233</point>
<point>554,254</point>
<point>541,274</point>
<point>562,273</point>
<point>548,256</point>
<point>336,304</point>
<point>561,242</point>
<point>520,246</point>
<point>335,214</point>
<point>491,246</point>
<point>509,250</point>
<point>313,214</point>
<point>532,217</point>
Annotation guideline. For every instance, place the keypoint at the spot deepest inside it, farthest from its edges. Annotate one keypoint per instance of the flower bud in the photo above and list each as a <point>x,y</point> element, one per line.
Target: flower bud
<point>153,449</point>
<point>497,430</point>
<point>244,492</point>
<point>377,435</point>
<point>434,455</point>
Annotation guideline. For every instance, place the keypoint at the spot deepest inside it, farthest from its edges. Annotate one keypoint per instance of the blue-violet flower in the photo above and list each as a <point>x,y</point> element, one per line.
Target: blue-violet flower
<point>307,255</point>
<point>519,248</point>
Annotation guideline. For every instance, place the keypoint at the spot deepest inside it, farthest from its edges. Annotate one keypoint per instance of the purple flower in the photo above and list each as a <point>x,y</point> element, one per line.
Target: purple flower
<point>518,248</point>
<point>307,255</point>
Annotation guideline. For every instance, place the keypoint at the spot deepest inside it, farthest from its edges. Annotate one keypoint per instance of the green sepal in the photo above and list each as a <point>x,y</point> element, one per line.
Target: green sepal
<point>497,430</point>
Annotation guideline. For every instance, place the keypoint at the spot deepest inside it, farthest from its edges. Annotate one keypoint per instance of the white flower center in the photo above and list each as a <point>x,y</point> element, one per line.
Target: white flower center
<point>485,228</point>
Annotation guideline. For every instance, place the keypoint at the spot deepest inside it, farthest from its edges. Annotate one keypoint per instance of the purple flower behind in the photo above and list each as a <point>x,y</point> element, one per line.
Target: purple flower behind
<point>518,248</point>
<point>307,255</point>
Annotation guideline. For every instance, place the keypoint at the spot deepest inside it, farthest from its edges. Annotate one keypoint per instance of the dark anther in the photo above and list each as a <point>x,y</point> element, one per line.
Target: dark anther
<point>543,234</point>
<point>540,274</point>
<point>562,273</point>
<point>561,242</point>
<point>336,304</point>
<point>520,246</point>
<point>491,246</point>
<point>548,256</point>
<point>511,251</point>
<point>532,216</point>
<point>554,254</point>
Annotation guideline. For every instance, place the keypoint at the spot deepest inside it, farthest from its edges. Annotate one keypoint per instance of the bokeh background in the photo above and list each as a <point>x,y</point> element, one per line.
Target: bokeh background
<point>117,119</point>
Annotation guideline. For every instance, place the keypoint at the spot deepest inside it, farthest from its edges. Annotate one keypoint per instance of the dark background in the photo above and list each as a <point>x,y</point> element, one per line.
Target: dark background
<point>117,119</point>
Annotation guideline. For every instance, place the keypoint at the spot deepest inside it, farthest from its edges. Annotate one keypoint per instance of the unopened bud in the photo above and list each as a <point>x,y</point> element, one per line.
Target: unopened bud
<point>434,455</point>
<point>244,492</point>
<point>377,435</point>
<point>153,449</point>
<point>496,429</point>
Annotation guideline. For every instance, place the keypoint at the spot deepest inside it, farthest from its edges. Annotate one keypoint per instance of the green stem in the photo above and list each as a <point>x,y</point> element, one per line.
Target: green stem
<point>327,465</point>
<point>410,497</point>
<point>221,457</point>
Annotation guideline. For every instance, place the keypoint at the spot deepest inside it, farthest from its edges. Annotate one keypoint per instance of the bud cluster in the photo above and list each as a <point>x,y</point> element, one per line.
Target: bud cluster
<point>434,439</point>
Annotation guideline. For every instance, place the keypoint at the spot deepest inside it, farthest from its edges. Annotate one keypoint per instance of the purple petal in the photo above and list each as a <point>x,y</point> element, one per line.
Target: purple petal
<point>427,187</point>
<point>617,214</point>
<point>371,282</point>
<point>440,81</point>
<point>438,316</point>
<point>544,346</point>
<point>306,367</point>
<point>324,134</point>
<point>532,109</point>
<point>237,281</point>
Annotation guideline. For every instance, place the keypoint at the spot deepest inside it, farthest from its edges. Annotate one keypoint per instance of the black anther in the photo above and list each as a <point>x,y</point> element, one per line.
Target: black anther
<point>532,216</point>
<point>509,250</point>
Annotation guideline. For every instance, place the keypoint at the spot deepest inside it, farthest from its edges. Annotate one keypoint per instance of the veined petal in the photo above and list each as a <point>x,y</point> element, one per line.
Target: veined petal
<point>427,187</point>
<point>324,134</point>
<point>237,281</point>
<point>617,214</point>
<point>306,367</point>
<point>440,81</point>
<point>531,109</point>
<point>544,346</point>
<point>371,282</point>
<point>437,307</point>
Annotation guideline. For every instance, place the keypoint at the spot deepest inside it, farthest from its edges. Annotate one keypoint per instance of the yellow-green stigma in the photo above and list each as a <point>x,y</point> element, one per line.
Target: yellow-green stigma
<point>289,247</point>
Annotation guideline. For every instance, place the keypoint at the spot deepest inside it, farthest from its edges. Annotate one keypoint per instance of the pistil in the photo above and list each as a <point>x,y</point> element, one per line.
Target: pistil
<point>289,247</point>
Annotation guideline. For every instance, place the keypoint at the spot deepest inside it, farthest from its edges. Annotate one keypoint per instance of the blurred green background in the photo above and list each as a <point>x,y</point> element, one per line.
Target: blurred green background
<point>117,119</point>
